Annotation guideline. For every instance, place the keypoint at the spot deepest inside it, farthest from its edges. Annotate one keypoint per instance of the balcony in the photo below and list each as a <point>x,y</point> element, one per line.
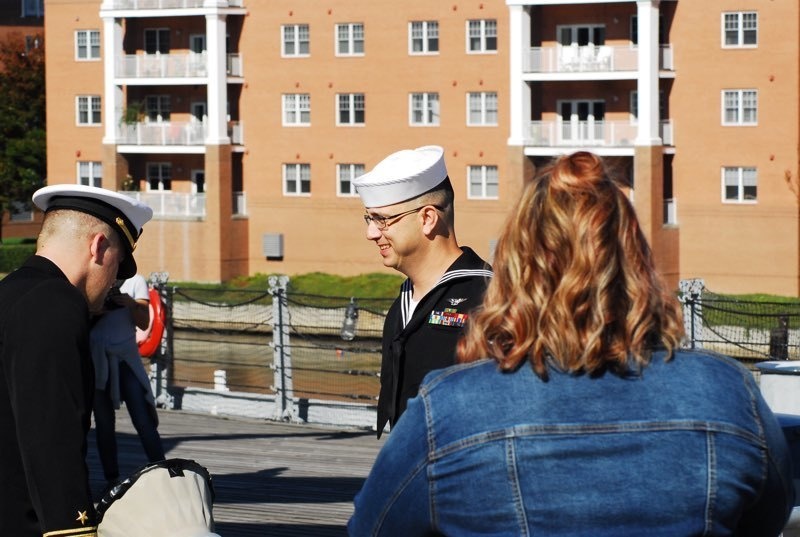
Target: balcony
<point>240,204</point>
<point>671,212</point>
<point>588,133</point>
<point>169,205</point>
<point>173,65</point>
<point>166,4</point>
<point>589,59</point>
<point>172,205</point>
<point>172,133</point>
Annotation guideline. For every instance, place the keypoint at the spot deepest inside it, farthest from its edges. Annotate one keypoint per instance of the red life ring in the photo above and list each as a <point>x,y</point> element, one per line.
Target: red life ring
<point>149,340</point>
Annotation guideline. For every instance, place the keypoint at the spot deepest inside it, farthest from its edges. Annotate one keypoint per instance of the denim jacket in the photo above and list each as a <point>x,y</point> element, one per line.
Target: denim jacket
<point>686,447</point>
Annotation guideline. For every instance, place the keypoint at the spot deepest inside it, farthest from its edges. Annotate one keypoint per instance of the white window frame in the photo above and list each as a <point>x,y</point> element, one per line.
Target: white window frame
<point>741,180</point>
<point>739,107</point>
<point>345,174</point>
<point>93,175</point>
<point>350,40</point>
<point>88,46</point>
<point>482,30</point>
<point>296,40</point>
<point>93,110</point>
<point>429,109</point>
<point>162,177</point>
<point>484,176</point>
<point>297,179</point>
<point>294,107</point>
<point>485,98</point>
<point>353,101</point>
<point>427,32</point>
<point>743,19</point>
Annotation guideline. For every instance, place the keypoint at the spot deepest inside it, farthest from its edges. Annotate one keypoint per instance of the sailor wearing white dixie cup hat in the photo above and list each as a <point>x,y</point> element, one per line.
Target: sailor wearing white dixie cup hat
<point>124,214</point>
<point>46,372</point>
<point>410,216</point>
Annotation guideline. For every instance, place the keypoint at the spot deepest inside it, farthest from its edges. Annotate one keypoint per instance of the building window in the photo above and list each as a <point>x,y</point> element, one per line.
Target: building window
<point>159,176</point>
<point>482,36</point>
<point>739,184</point>
<point>90,173</point>
<point>424,109</point>
<point>345,173</point>
<point>739,107</point>
<point>295,40</point>
<point>350,109</point>
<point>350,39</point>
<point>296,179</point>
<point>297,109</point>
<point>87,45</point>
<point>88,109</point>
<point>423,37</point>
<point>482,108</point>
<point>482,182</point>
<point>157,108</point>
<point>19,211</point>
<point>32,8</point>
<point>156,40</point>
<point>740,29</point>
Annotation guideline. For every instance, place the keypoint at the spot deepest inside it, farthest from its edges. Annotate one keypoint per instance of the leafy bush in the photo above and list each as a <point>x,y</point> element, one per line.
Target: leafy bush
<point>13,255</point>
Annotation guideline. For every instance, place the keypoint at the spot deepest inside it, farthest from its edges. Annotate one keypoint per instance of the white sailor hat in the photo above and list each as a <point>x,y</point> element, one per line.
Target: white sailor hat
<point>402,176</point>
<point>123,213</point>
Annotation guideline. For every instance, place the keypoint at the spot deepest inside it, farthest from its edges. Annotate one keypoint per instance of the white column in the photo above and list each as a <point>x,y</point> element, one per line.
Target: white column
<point>647,85</point>
<point>519,33</point>
<point>217,92</point>
<point>112,94</point>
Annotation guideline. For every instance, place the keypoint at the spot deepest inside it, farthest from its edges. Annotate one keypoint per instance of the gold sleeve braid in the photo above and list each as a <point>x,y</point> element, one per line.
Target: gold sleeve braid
<point>75,532</point>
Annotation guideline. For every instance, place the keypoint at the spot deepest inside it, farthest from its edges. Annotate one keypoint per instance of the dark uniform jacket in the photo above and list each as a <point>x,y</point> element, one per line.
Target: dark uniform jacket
<point>413,347</point>
<point>46,388</point>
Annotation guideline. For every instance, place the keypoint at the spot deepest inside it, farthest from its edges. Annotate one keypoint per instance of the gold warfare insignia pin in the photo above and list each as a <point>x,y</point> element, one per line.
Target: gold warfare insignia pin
<point>82,517</point>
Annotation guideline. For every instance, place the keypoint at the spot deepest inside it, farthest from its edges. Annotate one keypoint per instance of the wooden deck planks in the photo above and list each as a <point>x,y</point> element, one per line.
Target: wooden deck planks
<point>274,479</point>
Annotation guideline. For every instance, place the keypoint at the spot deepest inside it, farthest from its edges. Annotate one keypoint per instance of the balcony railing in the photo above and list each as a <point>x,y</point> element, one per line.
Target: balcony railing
<point>166,204</point>
<point>236,132</point>
<point>234,65</point>
<point>164,4</point>
<point>172,133</point>
<point>670,212</point>
<point>240,203</point>
<point>589,59</point>
<point>588,133</point>
<point>173,65</point>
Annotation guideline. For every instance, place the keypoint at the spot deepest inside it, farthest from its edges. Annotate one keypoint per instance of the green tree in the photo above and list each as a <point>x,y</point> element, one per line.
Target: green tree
<point>23,148</point>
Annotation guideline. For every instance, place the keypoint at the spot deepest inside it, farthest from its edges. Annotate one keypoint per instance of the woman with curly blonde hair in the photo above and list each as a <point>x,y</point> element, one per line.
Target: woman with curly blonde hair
<point>574,411</point>
<point>586,296</point>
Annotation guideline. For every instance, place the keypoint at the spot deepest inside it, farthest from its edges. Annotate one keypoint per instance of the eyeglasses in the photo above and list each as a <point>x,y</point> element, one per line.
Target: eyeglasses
<point>382,222</point>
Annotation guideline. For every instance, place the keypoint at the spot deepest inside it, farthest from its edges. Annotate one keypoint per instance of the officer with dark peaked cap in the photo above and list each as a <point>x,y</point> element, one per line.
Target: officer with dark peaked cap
<point>46,377</point>
<point>410,214</point>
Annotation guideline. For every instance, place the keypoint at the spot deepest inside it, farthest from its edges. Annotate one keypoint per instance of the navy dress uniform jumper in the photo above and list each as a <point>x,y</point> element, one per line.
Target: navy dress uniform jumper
<point>414,346</point>
<point>46,389</point>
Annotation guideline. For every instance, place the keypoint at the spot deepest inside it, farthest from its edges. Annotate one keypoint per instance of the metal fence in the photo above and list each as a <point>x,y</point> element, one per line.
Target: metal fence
<point>279,354</point>
<point>748,330</point>
<point>275,354</point>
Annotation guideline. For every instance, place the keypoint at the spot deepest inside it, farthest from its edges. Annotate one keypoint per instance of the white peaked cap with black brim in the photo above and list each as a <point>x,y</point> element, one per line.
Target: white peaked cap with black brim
<point>126,215</point>
<point>402,176</point>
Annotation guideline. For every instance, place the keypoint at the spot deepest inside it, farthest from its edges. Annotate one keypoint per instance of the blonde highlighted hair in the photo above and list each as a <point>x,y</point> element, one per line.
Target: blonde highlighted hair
<point>574,286</point>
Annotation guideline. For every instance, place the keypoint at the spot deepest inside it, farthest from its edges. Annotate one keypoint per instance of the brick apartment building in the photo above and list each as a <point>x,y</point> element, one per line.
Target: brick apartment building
<point>243,122</point>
